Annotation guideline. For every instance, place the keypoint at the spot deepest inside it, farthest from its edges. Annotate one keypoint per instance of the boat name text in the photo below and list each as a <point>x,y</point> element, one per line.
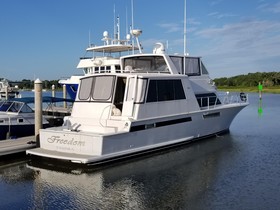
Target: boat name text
<point>58,140</point>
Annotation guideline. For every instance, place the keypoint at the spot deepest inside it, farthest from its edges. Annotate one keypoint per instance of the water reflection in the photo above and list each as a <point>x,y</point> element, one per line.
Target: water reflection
<point>168,179</point>
<point>239,170</point>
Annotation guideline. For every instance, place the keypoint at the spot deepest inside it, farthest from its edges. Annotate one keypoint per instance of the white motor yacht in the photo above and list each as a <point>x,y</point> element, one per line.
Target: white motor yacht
<point>155,101</point>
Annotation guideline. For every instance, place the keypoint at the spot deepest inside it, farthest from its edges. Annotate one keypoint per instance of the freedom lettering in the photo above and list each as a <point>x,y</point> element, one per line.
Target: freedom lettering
<point>58,140</point>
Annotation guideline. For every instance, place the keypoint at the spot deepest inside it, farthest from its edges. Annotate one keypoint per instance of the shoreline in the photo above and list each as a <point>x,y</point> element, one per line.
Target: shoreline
<point>274,90</point>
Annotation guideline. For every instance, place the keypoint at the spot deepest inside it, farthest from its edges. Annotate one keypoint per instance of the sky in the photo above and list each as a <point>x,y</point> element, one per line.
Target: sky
<point>45,39</point>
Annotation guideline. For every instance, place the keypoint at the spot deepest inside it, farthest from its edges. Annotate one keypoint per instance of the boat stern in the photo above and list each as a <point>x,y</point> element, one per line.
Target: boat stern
<point>68,145</point>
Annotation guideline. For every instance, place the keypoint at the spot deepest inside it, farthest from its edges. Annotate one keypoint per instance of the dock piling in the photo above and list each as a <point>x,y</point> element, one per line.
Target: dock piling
<point>38,109</point>
<point>64,96</point>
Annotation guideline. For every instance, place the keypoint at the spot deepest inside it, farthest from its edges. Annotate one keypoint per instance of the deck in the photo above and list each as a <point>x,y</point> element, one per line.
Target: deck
<point>13,146</point>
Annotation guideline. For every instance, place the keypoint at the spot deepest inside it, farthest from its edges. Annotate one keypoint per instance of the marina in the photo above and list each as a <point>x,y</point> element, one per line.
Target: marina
<point>143,125</point>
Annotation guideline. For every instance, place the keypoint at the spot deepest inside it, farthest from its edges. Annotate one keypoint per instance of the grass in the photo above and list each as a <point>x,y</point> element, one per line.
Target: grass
<point>274,89</point>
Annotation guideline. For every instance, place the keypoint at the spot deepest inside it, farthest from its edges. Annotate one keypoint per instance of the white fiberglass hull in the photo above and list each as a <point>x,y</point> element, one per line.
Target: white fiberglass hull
<point>90,147</point>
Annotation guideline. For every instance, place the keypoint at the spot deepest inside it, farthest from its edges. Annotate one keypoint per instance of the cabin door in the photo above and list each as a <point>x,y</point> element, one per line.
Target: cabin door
<point>129,99</point>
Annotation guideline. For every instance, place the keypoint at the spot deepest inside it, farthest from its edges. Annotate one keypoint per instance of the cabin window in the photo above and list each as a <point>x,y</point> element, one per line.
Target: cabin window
<point>20,120</point>
<point>146,64</point>
<point>165,90</point>
<point>5,106</point>
<point>178,63</point>
<point>26,109</point>
<point>192,66</point>
<point>119,92</point>
<point>99,88</point>
<point>2,121</point>
<point>140,91</point>
<point>118,68</point>
<point>85,88</point>
<point>103,88</point>
<point>203,69</point>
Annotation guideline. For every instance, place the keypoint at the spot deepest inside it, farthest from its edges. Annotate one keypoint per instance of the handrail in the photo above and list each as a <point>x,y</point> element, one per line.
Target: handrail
<point>206,102</point>
<point>101,116</point>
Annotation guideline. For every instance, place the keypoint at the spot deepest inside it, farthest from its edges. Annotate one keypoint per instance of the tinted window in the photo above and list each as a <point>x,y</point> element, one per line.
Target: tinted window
<point>152,91</point>
<point>165,90</point>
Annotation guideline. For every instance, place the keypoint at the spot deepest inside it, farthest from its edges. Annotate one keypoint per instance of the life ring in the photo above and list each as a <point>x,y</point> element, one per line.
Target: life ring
<point>243,97</point>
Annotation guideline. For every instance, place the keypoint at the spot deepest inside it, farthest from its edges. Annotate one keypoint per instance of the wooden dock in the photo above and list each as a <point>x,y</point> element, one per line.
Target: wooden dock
<point>13,146</point>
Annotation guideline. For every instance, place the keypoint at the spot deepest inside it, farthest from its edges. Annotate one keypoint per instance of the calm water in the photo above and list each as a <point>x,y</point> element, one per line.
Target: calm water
<point>239,170</point>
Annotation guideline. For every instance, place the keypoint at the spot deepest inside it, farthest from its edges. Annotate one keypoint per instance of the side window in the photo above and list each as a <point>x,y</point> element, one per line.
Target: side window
<point>179,90</point>
<point>165,90</point>
<point>152,91</point>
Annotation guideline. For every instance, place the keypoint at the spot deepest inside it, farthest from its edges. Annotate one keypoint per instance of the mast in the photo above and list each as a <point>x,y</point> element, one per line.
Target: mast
<point>185,37</point>
<point>132,25</point>
<point>185,28</point>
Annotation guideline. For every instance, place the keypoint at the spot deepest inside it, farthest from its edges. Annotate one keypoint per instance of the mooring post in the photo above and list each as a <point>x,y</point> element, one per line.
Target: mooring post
<point>53,90</point>
<point>6,93</point>
<point>64,96</point>
<point>38,109</point>
<point>53,93</point>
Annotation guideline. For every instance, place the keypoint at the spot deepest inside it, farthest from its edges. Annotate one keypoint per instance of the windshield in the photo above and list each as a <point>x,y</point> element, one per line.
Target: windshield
<point>146,64</point>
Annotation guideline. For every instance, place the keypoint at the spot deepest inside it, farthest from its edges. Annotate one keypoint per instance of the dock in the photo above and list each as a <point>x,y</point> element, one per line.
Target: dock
<point>13,146</point>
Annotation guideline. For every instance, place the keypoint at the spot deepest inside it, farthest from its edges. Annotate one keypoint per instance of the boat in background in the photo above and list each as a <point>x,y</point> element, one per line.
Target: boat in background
<point>6,88</point>
<point>105,58</point>
<point>17,118</point>
<point>154,101</point>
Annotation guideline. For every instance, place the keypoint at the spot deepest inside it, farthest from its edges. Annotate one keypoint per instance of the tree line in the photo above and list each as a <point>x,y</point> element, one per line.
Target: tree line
<point>29,84</point>
<point>268,79</point>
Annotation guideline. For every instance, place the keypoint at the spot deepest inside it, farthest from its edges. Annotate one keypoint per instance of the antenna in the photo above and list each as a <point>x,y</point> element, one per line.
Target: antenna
<point>132,25</point>
<point>185,36</point>
<point>89,41</point>
<point>114,36</point>
<point>118,30</point>
<point>185,28</point>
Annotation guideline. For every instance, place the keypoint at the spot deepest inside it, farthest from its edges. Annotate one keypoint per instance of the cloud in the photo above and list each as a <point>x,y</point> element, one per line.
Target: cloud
<point>273,8</point>
<point>215,2</point>
<point>171,27</point>
<point>247,46</point>
<point>220,15</point>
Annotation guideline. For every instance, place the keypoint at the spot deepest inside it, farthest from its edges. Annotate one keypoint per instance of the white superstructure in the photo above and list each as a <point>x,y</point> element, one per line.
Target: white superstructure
<point>104,58</point>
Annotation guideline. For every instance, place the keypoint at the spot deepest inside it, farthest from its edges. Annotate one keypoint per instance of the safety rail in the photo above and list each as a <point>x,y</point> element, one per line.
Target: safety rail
<point>208,102</point>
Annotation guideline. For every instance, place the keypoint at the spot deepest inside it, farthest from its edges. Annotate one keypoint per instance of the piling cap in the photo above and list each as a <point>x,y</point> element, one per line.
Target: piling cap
<point>38,81</point>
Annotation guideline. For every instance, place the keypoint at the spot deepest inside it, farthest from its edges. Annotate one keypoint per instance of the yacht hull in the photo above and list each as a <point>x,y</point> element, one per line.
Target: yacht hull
<point>145,136</point>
